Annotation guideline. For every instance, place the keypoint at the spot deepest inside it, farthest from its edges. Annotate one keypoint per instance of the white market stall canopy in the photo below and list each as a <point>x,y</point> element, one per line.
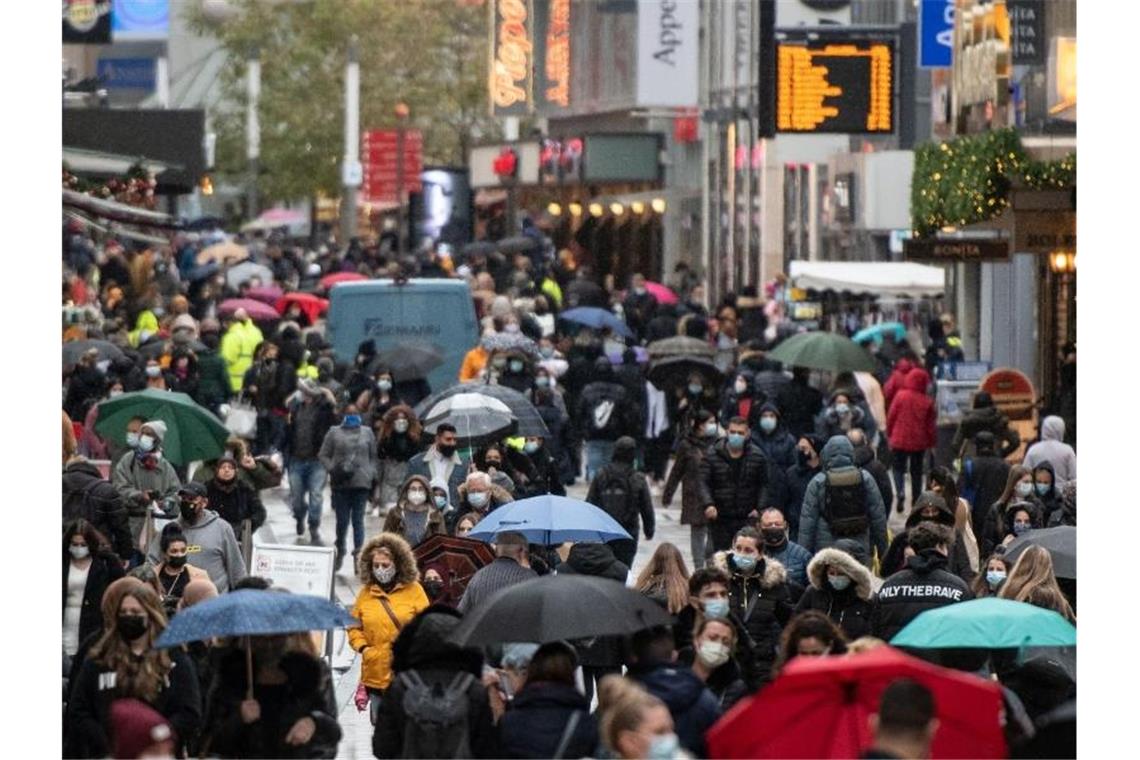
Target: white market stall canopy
<point>876,278</point>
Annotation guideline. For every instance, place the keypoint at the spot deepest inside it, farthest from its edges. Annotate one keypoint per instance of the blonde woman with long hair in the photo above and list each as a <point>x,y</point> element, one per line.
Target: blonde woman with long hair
<point>633,723</point>
<point>665,579</point>
<point>1032,580</point>
<point>124,663</point>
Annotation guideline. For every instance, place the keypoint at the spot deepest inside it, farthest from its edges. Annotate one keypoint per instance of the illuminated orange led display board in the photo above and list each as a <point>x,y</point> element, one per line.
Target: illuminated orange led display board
<point>844,88</point>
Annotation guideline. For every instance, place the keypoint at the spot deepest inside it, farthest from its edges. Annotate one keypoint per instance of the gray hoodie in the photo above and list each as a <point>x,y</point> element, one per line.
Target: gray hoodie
<point>1052,449</point>
<point>211,546</point>
<point>838,455</point>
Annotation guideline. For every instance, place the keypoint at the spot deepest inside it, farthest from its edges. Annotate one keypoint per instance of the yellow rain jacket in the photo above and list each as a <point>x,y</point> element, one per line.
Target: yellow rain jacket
<point>377,630</point>
<point>238,345</point>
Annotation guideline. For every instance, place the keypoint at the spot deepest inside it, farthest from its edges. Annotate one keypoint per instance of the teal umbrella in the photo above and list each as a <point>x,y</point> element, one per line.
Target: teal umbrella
<point>989,623</point>
<point>823,350</point>
<point>193,433</point>
<point>876,332</point>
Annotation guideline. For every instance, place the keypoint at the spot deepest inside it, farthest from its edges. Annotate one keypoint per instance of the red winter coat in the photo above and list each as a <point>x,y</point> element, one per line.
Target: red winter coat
<point>895,381</point>
<point>912,417</point>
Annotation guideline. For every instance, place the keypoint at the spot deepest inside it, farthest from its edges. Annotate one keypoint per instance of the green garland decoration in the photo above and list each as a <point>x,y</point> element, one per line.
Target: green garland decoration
<point>968,179</point>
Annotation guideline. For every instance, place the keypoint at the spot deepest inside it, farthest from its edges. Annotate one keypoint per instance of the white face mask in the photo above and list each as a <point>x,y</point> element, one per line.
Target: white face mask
<point>79,552</point>
<point>740,386</point>
<point>712,653</point>
<point>400,426</point>
<point>384,575</point>
<point>416,496</point>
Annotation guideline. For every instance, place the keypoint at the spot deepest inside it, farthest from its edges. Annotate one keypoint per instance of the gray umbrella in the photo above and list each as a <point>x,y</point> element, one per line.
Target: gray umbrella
<point>506,341</point>
<point>478,248</point>
<point>246,270</point>
<point>682,345</point>
<point>530,421</point>
<point>1060,542</point>
<point>517,244</point>
<point>476,418</point>
<point>408,360</point>
<point>73,350</point>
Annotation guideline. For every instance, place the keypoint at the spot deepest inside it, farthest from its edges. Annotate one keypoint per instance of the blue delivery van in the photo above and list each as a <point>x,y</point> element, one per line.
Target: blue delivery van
<point>432,311</point>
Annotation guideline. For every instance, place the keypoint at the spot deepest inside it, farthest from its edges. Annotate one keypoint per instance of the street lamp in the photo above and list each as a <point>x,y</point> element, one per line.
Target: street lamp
<point>402,113</point>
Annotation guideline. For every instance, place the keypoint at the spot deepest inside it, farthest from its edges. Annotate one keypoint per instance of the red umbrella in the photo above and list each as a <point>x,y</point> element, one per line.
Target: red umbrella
<point>258,311</point>
<point>818,707</point>
<point>663,294</point>
<point>266,293</point>
<point>332,279</point>
<point>313,306</point>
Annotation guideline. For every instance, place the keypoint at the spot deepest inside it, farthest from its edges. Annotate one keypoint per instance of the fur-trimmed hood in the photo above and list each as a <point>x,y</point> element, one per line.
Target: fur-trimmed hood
<point>775,574</point>
<point>817,570</point>
<point>499,495</point>
<point>401,551</point>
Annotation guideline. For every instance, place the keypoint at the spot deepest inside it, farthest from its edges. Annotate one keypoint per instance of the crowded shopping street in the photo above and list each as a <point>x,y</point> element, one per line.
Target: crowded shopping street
<point>565,389</point>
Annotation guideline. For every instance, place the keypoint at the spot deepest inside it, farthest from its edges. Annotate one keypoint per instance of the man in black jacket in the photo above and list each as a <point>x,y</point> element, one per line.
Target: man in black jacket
<point>924,584</point>
<point>734,476</point>
<point>985,416</point>
<point>623,494</point>
<point>983,479</point>
<point>790,491</point>
<point>604,413</point>
<point>600,656</point>
<point>88,495</point>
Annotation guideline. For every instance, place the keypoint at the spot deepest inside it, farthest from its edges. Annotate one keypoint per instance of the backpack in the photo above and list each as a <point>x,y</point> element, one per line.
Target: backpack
<point>436,718</point>
<point>845,503</point>
<point>614,493</point>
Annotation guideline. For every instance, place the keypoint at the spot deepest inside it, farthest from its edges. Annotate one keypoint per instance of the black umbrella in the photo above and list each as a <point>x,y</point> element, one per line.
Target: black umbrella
<point>530,421</point>
<point>516,244</point>
<point>680,345</point>
<point>478,248</point>
<point>155,348</point>
<point>73,350</point>
<point>1060,542</point>
<point>408,361</point>
<point>674,372</point>
<point>557,607</point>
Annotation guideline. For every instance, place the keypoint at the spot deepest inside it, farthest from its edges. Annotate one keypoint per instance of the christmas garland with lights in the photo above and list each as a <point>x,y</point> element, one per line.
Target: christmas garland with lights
<point>968,180</point>
<point>135,188</point>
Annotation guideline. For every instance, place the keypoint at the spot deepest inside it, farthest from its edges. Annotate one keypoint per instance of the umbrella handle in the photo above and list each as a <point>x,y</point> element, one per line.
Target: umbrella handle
<point>248,668</point>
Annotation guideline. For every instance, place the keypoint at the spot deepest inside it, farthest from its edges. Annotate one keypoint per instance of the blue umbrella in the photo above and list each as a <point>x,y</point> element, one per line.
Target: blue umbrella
<point>251,612</point>
<point>875,332</point>
<point>592,316</point>
<point>550,520</point>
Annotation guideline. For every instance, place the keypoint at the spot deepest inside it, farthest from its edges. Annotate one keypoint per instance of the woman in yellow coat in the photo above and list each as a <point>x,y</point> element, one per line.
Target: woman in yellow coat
<point>391,596</point>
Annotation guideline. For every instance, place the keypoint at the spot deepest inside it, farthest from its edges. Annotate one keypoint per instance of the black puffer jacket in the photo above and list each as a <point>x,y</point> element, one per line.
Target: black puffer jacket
<point>88,495</point>
<point>235,502</point>
<point>637,507</point>
<point>924,584</point>
<point>423,647</point>
<point>307,692</point>
<point>104,568</point>
<point>851,608</point>
<point>734,486</point>
<point>605,412</point>
<point>597,560</point>
<point>763,603</point>
<point>959,560</point>
<point>990,419</point>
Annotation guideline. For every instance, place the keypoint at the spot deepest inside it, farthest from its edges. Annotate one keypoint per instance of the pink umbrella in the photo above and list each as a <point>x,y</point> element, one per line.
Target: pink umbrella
<point>332,279</point>
<point>664,295</point>
<point>266,294</point>
<point>257,311</point>
<point>311,305</point>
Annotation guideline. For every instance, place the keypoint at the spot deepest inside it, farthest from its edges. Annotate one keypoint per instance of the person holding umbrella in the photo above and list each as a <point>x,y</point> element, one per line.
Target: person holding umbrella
<point>124,663</point>
<point>390,597</point>
<point>143,476</point>
<point>348,455</point>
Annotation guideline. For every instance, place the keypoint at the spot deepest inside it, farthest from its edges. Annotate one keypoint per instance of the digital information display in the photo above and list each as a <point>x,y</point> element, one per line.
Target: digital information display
<point>835,88</point>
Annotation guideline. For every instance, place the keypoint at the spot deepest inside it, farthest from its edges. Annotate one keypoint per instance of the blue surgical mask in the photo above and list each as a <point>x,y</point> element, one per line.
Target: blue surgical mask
<point>546,351</point>
<point>440,501</point>
<point>1043,489</point>
<point>516,366</point>
<point>352,420</point>
<point>384,385</point>
<point>477,498</point>
<point>133,440</point>
<point>839,582</point>
<point>663,747</point>
<point>146,443</point>
<point>842,409</point>
<point>542,382</point>
<point>710,430</point>
<point>768,424</point>
<point>1024,489</point>
<point>716,608</point>
<point>744,562</point>
<point>530,447</point>
<point>1019,528</point>
<point>736,440</point>
<point>994,578</point>
<point>695,389</point>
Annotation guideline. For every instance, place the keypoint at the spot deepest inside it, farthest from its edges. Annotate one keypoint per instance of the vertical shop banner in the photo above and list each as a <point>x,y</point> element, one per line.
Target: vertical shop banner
<point>379,157</point>
<point>512,57</point>
<point>87,22</point>
<point>667,52</point>
<point>1028,43</point>
<point>936,34</point>
<point>552,55</point>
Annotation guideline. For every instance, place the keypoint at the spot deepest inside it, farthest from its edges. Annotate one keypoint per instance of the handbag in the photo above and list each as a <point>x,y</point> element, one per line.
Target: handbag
<point>241,419</point>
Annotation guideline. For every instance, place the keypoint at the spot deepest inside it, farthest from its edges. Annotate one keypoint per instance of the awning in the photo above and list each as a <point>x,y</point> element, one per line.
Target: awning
<point>118,212</point>
<point>83,161</point>
<point>876,278</point>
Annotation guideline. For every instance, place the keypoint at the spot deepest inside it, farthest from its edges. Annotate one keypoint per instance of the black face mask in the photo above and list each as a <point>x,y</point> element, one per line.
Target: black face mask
<point>188,511</point>
<point>177,561</point>
<point>433,589</point>
<point>803,458</point>
<point>446,450</point>
<point>774,537</point>
<point>131,627</point>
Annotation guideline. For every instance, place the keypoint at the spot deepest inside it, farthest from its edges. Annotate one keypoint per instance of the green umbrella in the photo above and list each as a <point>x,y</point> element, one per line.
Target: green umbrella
<point>193,433</point>
<point>989,623</point>
<point>823,350</point>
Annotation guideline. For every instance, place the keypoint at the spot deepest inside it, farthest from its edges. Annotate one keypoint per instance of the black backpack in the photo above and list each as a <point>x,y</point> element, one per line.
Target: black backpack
<point>845,503</point>
<point>614,493</point>
<point>436,718</point>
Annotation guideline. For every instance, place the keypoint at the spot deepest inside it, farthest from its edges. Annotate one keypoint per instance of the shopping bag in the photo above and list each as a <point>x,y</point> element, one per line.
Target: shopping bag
<point>241,419</point>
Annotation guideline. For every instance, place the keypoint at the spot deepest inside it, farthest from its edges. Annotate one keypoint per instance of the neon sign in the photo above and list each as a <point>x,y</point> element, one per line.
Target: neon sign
<point>511,66</point>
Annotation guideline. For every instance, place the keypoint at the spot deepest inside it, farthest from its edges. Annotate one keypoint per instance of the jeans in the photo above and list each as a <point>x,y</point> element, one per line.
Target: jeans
<point>699,544</point>
<point>307,476</point>
<point>375,698</point>
<point>598,455</point>
<point>900,466</point>
<point>349,504</point>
